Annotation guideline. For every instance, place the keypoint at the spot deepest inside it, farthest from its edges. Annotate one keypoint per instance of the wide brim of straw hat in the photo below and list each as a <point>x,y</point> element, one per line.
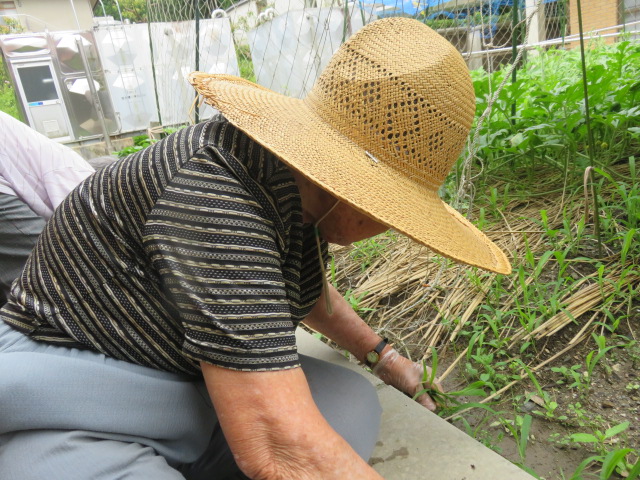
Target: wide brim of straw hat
<point>293,131</point>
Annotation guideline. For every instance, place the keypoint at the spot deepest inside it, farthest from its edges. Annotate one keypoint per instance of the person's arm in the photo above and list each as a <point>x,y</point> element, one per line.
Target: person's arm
<point>40,171</point>
<point>223,271</point>
<point>59,182</point>
<point>349,331</point>
<point>275,430</point>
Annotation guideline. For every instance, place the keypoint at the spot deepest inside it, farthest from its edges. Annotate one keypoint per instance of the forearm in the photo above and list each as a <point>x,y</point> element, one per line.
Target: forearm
<point>344,326</point>
<point>349,331</point>
<point>276,431</point>
<point>306,452</point>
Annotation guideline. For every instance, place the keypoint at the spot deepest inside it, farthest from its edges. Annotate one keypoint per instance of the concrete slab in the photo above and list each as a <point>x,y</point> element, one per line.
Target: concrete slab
<point>414,443</point>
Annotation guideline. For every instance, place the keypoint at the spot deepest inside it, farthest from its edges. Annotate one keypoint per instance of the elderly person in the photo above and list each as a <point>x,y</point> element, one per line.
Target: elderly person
<point>195,259</point>
<point>36,174</point>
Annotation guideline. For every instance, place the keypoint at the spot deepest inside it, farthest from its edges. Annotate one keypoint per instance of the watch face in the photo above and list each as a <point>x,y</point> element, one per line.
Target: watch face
<point>373,357</point>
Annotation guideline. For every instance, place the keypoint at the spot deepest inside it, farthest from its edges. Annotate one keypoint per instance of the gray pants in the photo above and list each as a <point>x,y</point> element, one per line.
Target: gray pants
<point>77,415</point>
<point>19,230</point>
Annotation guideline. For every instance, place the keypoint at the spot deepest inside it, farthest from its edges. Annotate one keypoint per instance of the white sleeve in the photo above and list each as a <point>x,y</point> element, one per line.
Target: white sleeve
<point>59,182</point>
<point>40,171</point>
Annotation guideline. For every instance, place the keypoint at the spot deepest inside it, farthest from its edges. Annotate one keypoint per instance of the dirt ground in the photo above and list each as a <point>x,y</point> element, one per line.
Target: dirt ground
<point>614,393</point>
<point>614,398</point>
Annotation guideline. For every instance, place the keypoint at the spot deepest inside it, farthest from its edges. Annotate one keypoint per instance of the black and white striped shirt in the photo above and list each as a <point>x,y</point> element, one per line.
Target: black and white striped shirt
<point>191,250</point>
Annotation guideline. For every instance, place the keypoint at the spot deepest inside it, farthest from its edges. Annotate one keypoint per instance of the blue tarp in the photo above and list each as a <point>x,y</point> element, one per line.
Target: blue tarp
<point>409,7</point>
<point>433,8</point>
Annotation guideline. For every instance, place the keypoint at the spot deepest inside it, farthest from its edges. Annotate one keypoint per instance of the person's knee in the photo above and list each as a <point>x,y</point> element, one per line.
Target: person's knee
<point>77,455</point>
<point>356,413</point>
<point>357,390</point>
<point>347,400</point>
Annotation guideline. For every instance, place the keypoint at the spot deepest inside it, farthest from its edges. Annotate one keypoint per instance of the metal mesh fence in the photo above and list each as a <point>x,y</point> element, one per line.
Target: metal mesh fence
<point>284,44</point>
<point>148,47</point>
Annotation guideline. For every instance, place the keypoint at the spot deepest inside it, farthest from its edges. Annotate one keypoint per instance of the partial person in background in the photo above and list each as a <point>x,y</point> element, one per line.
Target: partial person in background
<point>36,174</point>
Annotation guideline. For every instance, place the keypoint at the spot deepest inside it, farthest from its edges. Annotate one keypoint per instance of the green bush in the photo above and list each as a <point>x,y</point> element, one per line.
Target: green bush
<point>245,64</point>
<point>549,127</point>
<point>8,102</point>
<point>140,142</point>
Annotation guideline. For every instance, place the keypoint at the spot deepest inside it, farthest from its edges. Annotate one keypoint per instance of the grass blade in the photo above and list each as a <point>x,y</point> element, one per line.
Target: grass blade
<point>611,461</point>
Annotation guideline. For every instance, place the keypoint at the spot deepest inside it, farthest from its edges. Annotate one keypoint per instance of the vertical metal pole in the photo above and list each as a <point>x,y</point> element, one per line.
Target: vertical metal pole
<point>532,15</point>
<point>196,6</point>
<point>585,86</point>
<point>345,25</point>
<point>153,70</point>
<point>514,52</point>
<point>75,15</point>
<point>104,12</point>
<point>119,11</point>
<point>563,23</point>
<point>94,95</point>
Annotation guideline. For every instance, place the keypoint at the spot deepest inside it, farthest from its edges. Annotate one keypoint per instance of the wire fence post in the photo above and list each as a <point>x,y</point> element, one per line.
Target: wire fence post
<point>196,8</point>
<point>585,86</point>
<point>514,53</point>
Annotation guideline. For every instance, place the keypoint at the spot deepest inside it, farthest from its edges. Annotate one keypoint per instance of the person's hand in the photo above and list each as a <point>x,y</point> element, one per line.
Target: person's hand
<point>405,375</point>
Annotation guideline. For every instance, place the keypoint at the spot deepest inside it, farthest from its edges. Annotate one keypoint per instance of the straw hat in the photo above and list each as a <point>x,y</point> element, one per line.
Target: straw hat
<point>380,130</point>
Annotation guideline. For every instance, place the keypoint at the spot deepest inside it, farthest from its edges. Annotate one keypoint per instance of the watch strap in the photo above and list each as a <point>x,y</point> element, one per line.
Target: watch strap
<point>373,357</point>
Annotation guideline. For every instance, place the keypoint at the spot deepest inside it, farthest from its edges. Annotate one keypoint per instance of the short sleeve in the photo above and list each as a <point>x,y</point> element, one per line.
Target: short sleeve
<point>220,264</point>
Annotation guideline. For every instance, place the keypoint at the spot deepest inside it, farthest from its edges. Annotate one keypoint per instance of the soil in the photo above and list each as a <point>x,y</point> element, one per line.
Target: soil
<point>613,398</point>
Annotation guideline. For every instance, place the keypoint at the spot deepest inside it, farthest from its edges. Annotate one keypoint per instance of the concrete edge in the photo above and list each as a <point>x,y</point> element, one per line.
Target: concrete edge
<point>414,443</point>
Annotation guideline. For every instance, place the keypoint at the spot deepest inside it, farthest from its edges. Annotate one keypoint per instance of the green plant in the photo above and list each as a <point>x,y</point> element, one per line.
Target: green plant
<point>354,301</point>
<point>449,402</point>
<point>8,102</point>
<point>493,374</point>
<point>11,25</point>
<point>519,430</point>
<point>8,99</point>
<point>594,356</point>
<point>133,10</point>
<point>549,405</point>
<point>437,24</point>
<point>481,434</point>
<point>598,439</point>
<point>549,126</point>
<point>332,270</point>
<point>580,416</point>
<point>579,378</point>
<point>140,142</point>
<point>572,377</point>
<point>611,459</point>
<point>615,460</point>
<point>245,64</point>
<point>367,251</point>
<point>632,387</point>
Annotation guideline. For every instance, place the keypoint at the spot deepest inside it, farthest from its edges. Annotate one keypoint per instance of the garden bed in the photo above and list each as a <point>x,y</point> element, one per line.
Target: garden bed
<point>549,350</point>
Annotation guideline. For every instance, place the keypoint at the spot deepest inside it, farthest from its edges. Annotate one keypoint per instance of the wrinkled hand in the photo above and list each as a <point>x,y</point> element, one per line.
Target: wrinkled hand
<point>405,375</point>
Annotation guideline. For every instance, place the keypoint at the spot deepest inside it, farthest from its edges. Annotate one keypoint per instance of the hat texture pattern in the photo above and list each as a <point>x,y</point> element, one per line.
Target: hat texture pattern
<point>380,130</point>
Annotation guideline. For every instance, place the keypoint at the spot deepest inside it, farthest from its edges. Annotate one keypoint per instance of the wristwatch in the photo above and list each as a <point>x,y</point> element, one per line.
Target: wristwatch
<point>373,357</point>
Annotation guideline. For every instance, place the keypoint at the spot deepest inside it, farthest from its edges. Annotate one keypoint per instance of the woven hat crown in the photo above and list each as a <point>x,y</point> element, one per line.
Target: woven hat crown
<point>408,109</point>
<point>380,130</point>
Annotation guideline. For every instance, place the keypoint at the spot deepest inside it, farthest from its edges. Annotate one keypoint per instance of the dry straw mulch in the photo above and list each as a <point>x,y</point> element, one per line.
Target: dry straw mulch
<point>422,301</point>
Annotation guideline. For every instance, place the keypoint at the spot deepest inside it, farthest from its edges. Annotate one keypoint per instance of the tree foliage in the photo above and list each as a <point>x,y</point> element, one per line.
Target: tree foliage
<point>8,102</point>
<point>133,10</point>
